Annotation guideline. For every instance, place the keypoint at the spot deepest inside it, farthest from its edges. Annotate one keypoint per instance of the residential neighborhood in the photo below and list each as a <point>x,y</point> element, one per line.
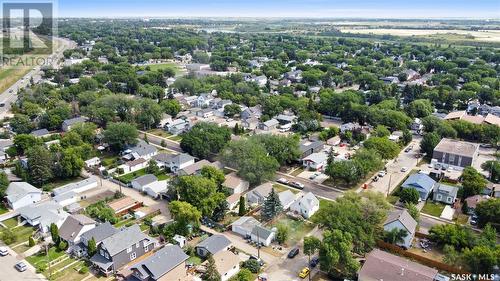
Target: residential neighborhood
<point>239,149</point>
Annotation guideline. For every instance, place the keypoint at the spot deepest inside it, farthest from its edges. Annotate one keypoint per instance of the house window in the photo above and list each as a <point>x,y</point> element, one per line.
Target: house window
<point>106,255</point>
<point>448,199</point>
<point>129,249</point>
<point>133,256</point>
<point>146,248</point>
<point>439,197</point>
<point>101,252</point>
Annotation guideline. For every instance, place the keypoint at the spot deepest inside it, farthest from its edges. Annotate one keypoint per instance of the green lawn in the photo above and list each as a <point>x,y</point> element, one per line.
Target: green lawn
<point>433,209</point>
<point>22,233</point>
<point>392,199</point>
<point>40,259</point>
<point>279,188</point>
<point>298,229</point>
<point>159,66</point>
<point>162,176</point>
<point>124,222</point>
<point>175,138</point>
<point>71,273</point>
<point>3,210</point>
<point>60,182</point>
<point>297,172</point>
<point>194,260</point>
<point>10,223</point>
<point>109,160</point>
<point>131,176</point>
<point>160,133</point>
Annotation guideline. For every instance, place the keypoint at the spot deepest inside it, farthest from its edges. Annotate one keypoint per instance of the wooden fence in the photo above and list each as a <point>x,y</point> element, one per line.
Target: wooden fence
<point>421,259</point>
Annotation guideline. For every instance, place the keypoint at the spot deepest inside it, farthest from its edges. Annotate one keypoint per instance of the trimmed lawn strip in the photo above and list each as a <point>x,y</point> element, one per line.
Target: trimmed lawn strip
<point>298,229</point>
<point>433,209</point>
<point>280,188</point>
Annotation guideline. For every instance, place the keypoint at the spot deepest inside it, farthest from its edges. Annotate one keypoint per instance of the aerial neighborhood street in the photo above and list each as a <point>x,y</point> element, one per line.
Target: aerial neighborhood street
<point>237,149</point>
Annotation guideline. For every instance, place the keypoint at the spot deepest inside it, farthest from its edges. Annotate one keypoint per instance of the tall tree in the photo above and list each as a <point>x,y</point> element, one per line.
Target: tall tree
<point>241,208</point>
<point>395,235</point>
<point>272,206</point>
<point>54,233</point>
<point>39,165</point>
<point>92,247</point>
<point>311,245</point>
<point>472,182</point>
<point>335,254</point>
<point>211,273</point>
<point>199,192</point>
<point>205,139</point>
<point>184,214</point>
<point>119,135</point>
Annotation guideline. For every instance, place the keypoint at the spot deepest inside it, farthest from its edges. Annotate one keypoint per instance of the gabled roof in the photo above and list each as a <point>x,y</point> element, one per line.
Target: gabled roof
<point>263,190</point>
<point>318,157</point>
<point>100,232</point>
<point>306,145</point>
<point>40,132</point>
<point>162,262</point>
<point>381,265</point>
<point>18,190</point>
<point>215,243</point>
<point>448,189</point>
<point>74,185</point>
<point>225,261</point>
<point>246,222</point>
<point>142,148</point>
<point>72,226</point>
<point>308,200</point>
<point>69,122</point>
<point>122,203</point>
<point>191,169</point>
<point>404,217</point>
<point>232,181</point>
<point>272,122</point>
<point>135,162</point>
<point>123,239</point>
<point>261,232</point>
<point>419,180</point>
<point>286,197</point>
<point>145,179</point>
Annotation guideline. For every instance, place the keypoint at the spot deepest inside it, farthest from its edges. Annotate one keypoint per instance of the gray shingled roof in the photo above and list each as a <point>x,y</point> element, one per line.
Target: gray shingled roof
<point>72,226</point>
<point>40,132</point>
<point>142,148</point>
<point>100,232</point>
<point>261,232</point>
<point>74,185</point>
<point>75,120</point>
<point>18,190</point>
<point>215,243</point>
<point>161,262</point>
<point>123,239</point>
<point>145,179</point>
<point>404,217</point>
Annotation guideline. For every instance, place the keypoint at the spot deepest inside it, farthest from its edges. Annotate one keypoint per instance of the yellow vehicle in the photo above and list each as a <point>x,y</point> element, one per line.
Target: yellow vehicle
<point>305,271</point>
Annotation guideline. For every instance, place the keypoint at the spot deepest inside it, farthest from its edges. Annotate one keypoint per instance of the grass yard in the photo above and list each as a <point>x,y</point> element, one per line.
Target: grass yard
<point>194,260</point>
<point>279,188</point>
<point>10,223</point>
<point>60,182</point>
<point>297,172</point>
<point>392,199</point>
<point>131,176</point>
<point>21,248</point>
<point>162,176</point>
<point>175,138</point>
<point>461,219</point>
<point>40,259</point>
<point>160,133</point>
<point>433,209</point>
<point>71,273</point>
<point>298,229</point>
<point>124,222</point>
<point>3,210</point>
<point>230,218</point>
<point>109,160</point>
<point>160,66</point>
<point>22,233</point>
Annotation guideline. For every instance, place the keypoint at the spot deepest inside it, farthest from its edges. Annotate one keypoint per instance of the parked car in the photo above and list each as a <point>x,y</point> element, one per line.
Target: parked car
<point>314,262</point>
<point>313,176</point>
<point>381,174</point>
<point>375,178</point>
<point>21,266</point>
<point>304,272</point>
<point>295,251</point>
<point>3,251</point>
<point>408,149</point>
<point>283,181</point>
<point>259,260</point>
<point>404,169</point>
<point>297,185</point>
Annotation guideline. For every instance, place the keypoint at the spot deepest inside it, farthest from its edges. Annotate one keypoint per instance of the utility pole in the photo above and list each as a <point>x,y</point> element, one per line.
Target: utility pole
<point>389,185</point>
<point>48,261</point>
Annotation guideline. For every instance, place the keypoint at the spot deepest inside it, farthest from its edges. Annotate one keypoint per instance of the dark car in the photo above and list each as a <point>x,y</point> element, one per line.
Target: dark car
<point>314,262</point>
<point>293,253</point>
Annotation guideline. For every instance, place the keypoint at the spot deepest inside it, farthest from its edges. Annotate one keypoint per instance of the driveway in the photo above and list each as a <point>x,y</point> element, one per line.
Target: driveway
<point>8,272</point>
<point>394,174</point>
<point>317,189</point>
<point>169,144</point>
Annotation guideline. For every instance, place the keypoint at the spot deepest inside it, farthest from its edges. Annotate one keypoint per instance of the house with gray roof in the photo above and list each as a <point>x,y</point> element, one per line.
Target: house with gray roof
<point>262,235</point>
<point>244,225</point>
<point>21,194</point>
<point>195,168</point>
<point>99,233</point>
<point>421,182</point>
<point>77,187</point>
<point>149,183</point>
<point>40,133</point>
<point>269,125</point>
<point>259,193</point>
<point>287,197</point>
<point>68,123</point>
<point>174,162</point>
<point>213,245</point>
<point>401,219</point>
<point>445,193</point>
<point>455,153</point>
<point>141,150</point>
<point>307,147</point>
<point>73,227</point>
<point>306,205</point>
<point>121,248</point>
<point>43,215</point>
<point>168,263</point>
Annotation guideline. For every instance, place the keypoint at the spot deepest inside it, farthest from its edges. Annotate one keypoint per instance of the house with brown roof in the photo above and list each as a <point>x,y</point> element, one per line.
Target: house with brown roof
<point>380,265</point>
<point>227,264</point>
<point>472,201</point>
<point>123,205</point>
<point>235,184</point>
<point>401,219</point>
<point>73,227</point>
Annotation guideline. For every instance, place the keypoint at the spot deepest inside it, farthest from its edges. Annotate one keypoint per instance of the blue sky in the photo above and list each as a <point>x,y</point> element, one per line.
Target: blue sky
<point>281,8</point>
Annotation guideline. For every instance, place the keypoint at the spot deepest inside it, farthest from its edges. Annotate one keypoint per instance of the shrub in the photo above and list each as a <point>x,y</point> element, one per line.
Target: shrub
<point>8,237</point>
<point>251,265</point>
<point>31,241</point>
<point>409,195</point>
<point>62,246</point>
<point>83,270</point>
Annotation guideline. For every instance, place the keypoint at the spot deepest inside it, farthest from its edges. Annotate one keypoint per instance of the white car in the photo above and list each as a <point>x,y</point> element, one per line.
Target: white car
<point>381,174</point>
<point>283,181</point>
<point>404,169</point>
<point>3,251</point>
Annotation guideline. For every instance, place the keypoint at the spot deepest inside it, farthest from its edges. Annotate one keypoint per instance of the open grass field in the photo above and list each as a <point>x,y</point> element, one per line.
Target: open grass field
<point>450,34</point>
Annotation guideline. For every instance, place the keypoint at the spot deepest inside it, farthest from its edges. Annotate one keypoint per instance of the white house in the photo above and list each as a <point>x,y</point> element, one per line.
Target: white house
<point>235,184</point>
<point>259,193</point>
<point>174,162</point>
<point>262,235</point>
<point>149,183</point>
<point>20,194</point>
<point>315,161</point>
<point>227,264</point>
<point>77,187</point>
<point>401,219</point>
<point>287,198</point>
<point>180,240</point>
<point>141,150</point>
<point>43,215</point>
<point>244,225</point>
<point>92,162</point>
<point>134,165</point>
<point>306,205</point>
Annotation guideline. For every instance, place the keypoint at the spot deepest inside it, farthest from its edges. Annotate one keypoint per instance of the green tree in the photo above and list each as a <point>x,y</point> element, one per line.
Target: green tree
<point>413,211</point>
<point>420,108</point>
<point>481,259</point>
<point>311,245</point>
<point>395,235</point>
<point>31,241</point>
<point>171,106</point>
<point>272,206</point>
<point>382,131</point>
<point>349,171</point>
<point>214,174</point>
<point>385,147</point>
<point>23,142</point>
<point>241,208</point>
<point>252,265</point>
<point>251,160</point>
<point>152,167</point>
<point>285,149</point>
<point>429,142</point>
<point>282,233</point>
<point>54,233</point>
<point>335,254</point>
<point>118,135</point>
<point>92,247</point>
<point>205,139</point>
<point>211,273</point>
<point>243,275</point>
<point>489,212</point>
<point>21,124</point>
<point>457,236</point>
<point>184,214</point>
<point>232,110</point>
<point>451,256</point>
<point>200,192</point>
<point>493,167</point>
<point>472,182</point>
<point>71,163</point>
<point>4,183</point>
<point>409,195</point>
<point>39,165</point>
<point>8,237</point>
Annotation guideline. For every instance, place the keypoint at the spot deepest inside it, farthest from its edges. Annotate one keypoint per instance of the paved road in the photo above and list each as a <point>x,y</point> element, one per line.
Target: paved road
<point>9,273</point>
<point>170,144</point>
<point>10,95</point>
<point>394,173</point>
<point>310,186</point>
